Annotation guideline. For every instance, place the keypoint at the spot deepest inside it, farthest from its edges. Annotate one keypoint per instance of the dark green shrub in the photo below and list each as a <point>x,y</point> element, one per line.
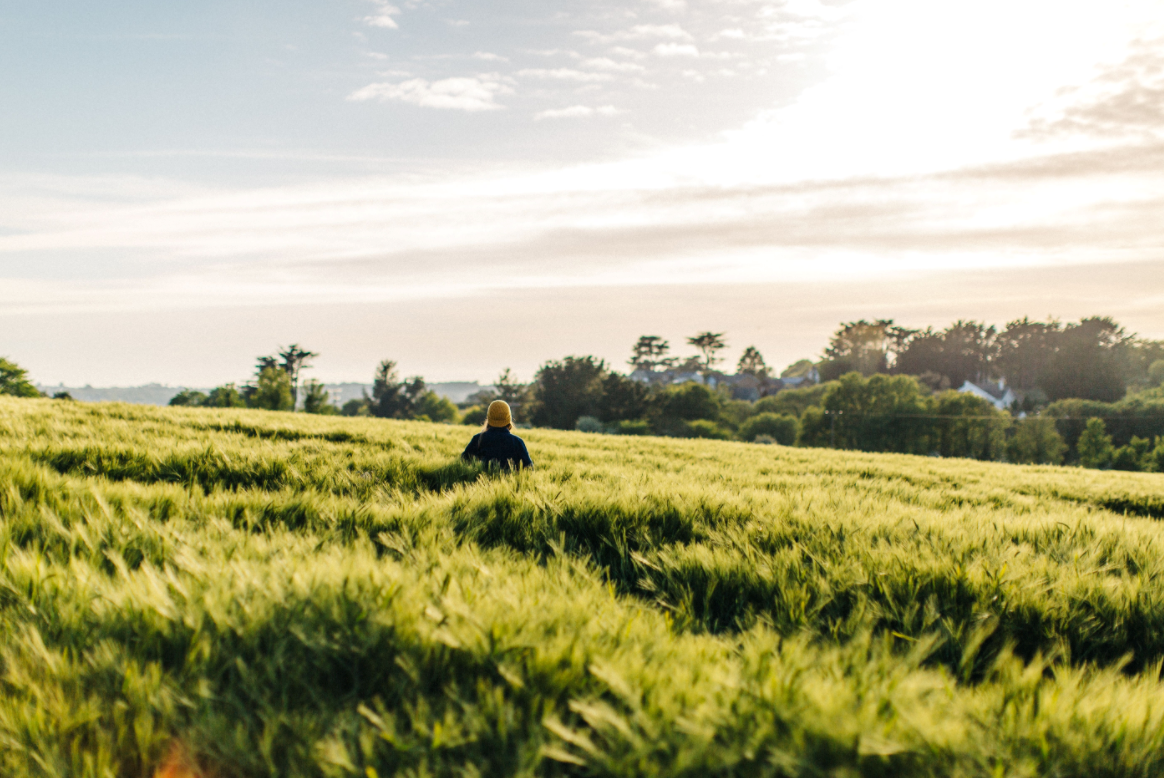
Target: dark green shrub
<point>686,402</point>
<point>630,427</point>
<point>188,398</point>
<point>703,428</point>
<point>782,428</point>
<point>1133,457</point>
<point>474,415</point>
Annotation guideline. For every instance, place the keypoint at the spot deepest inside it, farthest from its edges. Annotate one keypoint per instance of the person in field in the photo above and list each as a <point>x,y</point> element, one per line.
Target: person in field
<point>495,444</point>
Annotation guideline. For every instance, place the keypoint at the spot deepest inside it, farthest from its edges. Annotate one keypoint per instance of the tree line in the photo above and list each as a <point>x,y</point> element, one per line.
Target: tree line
<point>1088,393</point>
<point>1093,359</point>
<point>276,387</point>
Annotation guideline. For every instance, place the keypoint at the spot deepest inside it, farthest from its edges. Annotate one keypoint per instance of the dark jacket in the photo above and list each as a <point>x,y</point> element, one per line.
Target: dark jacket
<point>499,445</point>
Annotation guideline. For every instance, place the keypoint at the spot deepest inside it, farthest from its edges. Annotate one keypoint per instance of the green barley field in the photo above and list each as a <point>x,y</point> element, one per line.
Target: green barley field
<point>246,593</point>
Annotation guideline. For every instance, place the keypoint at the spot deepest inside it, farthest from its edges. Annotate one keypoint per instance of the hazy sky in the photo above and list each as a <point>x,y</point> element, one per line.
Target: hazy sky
<point>465,186</point>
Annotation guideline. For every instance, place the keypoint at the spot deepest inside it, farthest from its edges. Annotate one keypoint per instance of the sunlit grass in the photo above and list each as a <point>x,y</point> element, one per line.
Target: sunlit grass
<point>278,594</point>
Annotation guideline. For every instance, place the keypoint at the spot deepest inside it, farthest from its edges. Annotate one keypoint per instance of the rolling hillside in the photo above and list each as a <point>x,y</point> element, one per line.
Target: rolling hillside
<point>245,593</point>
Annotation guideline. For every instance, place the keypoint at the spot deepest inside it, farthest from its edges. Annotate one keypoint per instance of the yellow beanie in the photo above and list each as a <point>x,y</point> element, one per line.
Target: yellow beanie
<point>499,415</point>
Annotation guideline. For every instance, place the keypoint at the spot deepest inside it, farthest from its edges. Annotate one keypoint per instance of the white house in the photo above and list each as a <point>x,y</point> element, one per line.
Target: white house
<point>999,395</point>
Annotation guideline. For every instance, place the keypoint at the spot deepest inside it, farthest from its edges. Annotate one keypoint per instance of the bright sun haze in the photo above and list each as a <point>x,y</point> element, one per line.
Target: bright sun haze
<point>467,186</point>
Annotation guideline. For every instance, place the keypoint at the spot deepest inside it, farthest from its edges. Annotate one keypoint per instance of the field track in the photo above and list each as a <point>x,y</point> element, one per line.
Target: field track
<point>245,593</point>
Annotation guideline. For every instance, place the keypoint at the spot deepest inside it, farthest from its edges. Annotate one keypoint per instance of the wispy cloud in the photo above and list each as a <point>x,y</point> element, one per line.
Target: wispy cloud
<point>564,74</point>
<point>676,50</point>
<point>466,93</point>
<point>577,111</point>
<point>639,32</point>
<point>606,63</point>
<point>382,17</point>
<point>1125,99</point>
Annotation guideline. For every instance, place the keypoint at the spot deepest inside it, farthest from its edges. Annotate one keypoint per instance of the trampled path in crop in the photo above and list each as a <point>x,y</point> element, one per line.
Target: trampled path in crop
<point>254,593</point>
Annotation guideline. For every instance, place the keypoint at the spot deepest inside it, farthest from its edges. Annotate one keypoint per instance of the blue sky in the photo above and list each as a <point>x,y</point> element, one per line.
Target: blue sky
<point>469,186</point>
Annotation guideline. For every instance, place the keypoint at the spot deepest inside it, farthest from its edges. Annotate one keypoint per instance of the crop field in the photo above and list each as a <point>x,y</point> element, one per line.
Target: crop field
<point>247,593</point>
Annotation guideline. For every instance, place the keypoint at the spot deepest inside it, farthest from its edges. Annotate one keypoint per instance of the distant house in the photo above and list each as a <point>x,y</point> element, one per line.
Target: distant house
<point>744,386</point>
<point>670,377</point>
<point>795,382</point>
<point>998,394</point>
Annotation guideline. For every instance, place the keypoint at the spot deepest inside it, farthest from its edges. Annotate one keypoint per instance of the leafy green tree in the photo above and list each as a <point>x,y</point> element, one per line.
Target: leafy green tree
<point>880,413</point>
<point>1036,442</point>
<point>316,399</point>
<point>189,398</point>
<point>436,408</point>
<point>1087,362</point>
<point>356,407</point>
<point>793,401</point>
<point>63,396</point>
<point>709,344</point>
<point>1135,456</point>
<point>1094,448</point>
<point>962,352</point>
<point>1155,463</point>
<point>752,363</point>
<point>393,398</point>
<point>649,353</point>
<point>780,427</point>
<point>1025,348</point>
<point>1139,414</point>
<point>969,427</point>
<point>272,391</point>
<point>294,360</point>
<point>564,390</point>
<point>674,406</point>
<point>1156,373</point>
<point>225,396</point>
<point>623,399</point>
<point>1137,356</point>
<point>14,380</point>
<point>923,352</point>
<point>512,391</point>
<point>863,346</point>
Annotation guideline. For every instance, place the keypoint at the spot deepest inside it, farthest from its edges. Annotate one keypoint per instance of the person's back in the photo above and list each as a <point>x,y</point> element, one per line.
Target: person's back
<point>495,444</point>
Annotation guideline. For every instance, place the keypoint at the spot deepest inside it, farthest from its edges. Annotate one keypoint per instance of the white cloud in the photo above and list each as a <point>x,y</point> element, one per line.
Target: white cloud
<point>658,31</point>
<point>606,63</point>
<point>676,50</point>
<point>467,93</point>
<point>670,5</point>
<point>564,74</point>
<point>383,16</point>
<point>577,111</point>
<point>490,57</point>
<point>734,32</point>
<point>622,51</point>
<point>639,32</point>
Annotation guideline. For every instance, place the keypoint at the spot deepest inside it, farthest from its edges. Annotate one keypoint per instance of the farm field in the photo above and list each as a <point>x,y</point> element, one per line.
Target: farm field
<point>247,593</point>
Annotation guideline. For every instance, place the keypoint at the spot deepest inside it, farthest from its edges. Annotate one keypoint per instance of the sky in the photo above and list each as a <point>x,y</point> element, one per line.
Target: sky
<point>468,186</point>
